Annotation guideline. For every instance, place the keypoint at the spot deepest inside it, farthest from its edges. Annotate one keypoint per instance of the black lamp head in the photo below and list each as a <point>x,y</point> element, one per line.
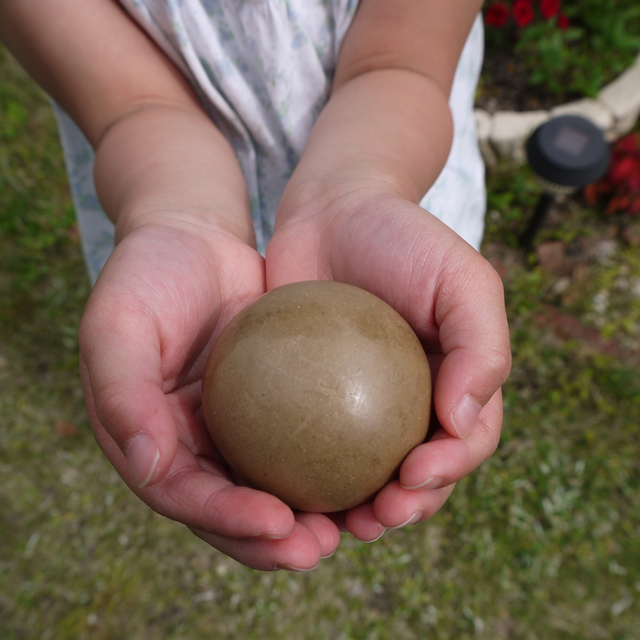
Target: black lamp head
<point>568,152</point>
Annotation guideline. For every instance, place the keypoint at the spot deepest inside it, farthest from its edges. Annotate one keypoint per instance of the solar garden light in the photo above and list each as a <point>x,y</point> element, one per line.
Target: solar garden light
<point>566,153</point>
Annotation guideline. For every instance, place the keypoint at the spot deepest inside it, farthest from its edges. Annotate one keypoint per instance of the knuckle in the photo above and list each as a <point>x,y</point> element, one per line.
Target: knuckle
<point>498,363</point>
<point>217,505</point>
<point>489,439</point>
<point>110,403</point>
<point>493,278</point>
<point>485,274</point>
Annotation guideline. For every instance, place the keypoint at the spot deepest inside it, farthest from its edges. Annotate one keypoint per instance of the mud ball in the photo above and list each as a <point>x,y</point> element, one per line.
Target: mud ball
<point>316,392</point>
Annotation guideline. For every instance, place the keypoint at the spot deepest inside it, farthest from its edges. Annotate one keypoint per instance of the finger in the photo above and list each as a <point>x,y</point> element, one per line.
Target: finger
<point>199,493</point>
<point>324,529</point>
<point>212,503</point>
<point>395,507</point>
<point>446,459</point>
<point>300,551</point>
<point>362,523</point>
<point>339,518</point>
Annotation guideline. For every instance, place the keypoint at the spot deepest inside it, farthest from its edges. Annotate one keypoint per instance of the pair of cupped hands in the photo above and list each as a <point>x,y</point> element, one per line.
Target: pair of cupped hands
<point>172,285</point>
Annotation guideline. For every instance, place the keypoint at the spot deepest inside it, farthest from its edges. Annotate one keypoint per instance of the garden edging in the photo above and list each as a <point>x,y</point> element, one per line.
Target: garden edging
<point>502,135</point>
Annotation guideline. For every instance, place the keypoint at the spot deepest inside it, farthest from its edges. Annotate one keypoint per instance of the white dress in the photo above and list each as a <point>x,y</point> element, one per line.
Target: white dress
<point>263,70</point>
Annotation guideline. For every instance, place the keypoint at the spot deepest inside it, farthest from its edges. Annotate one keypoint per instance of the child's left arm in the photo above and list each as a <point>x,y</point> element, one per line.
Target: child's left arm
<point>350,213</point>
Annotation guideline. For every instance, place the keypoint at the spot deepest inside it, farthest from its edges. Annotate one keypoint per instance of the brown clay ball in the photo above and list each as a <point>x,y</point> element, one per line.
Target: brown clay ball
<point>316,392</point>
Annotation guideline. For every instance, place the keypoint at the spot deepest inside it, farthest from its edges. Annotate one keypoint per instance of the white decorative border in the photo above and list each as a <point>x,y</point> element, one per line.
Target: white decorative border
<point>616,109</point>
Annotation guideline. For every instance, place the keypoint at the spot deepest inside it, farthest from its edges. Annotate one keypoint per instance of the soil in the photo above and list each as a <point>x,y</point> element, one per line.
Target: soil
<point>570,266</point>
<point>504,86</point>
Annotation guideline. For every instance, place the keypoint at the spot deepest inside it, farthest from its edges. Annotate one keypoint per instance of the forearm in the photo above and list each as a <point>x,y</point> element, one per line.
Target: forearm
<point>387,124</point>
<point>158,156</point>
<point>387,129</point>
<point>165,163</point>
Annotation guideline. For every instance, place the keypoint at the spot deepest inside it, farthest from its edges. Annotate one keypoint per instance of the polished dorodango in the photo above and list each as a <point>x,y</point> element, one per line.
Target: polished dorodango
<point>316,392</point>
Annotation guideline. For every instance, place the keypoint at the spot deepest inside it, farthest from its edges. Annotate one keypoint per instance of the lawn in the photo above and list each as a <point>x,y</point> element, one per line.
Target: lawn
<point>541,543</point>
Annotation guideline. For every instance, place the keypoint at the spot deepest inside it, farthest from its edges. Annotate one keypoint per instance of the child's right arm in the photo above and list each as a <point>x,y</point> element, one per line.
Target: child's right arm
<point>155,147</point>
<point>183,266</point>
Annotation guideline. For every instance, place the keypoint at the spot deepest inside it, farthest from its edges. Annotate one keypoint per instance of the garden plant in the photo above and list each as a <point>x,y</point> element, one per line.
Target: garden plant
<point>561,49</point>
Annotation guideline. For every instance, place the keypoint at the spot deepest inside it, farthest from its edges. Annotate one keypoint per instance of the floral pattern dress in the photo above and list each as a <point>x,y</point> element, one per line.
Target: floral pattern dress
<point>263,70</point>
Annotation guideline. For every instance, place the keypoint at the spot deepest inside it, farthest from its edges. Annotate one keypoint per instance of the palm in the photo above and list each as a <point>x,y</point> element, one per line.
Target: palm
<point>156,309</point>
<point>408,258</point>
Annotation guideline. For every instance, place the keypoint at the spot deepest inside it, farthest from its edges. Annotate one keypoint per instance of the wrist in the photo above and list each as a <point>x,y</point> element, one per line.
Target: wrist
<point>310,198</point>
<point>386,130</point>
<point>327,204</point>
<point>170,165</point>
<point>204,223</point>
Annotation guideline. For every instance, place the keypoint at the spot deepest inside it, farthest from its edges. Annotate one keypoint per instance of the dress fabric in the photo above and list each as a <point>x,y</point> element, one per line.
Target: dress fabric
<point>263,71</point>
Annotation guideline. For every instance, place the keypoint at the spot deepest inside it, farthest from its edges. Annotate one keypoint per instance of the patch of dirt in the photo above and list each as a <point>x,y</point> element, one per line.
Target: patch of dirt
<point>571,266</point>
<point>504,86</point>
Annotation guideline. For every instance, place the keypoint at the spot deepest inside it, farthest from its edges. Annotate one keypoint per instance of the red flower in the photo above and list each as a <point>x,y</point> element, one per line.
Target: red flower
<point>629,144</point>
<point>623,169</point>
<point>522,12</point>
<point>549,8</point>
<point>496,14</point>
<point>617,203</point>
<point>621,186</point>
<point>563,22</point>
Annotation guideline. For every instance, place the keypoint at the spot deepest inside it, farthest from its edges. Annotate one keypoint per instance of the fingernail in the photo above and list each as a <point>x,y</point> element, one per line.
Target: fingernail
<point>290,567</point>
<point>384,530</point>
<point>434,482</point>
<point>465,415</point>
<point>329,555</point>
<point>412,520</point>
<point>272,536</point>
<point>142,455</point>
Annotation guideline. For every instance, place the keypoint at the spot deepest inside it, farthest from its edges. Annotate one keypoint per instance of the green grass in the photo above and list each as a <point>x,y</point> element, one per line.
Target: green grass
<point>540,543</point>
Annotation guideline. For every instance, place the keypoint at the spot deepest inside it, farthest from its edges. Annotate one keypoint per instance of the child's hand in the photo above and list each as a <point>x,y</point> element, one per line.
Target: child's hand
<point>164,295</point>
<point>452,298</point>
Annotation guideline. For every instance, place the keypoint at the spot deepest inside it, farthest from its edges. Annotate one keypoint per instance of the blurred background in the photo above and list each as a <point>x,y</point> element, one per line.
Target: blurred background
<point>541,542</point>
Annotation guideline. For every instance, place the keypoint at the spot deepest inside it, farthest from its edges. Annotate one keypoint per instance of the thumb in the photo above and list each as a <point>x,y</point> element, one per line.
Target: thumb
<point>474,337</point>
<point>122,379</point>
